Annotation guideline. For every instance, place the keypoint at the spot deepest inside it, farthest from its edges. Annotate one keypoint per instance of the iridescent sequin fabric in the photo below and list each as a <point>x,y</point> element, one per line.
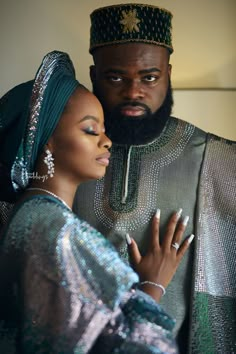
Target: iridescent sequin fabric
<point>64,289</point>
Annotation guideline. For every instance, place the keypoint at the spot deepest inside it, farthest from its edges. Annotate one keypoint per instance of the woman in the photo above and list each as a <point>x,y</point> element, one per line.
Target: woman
<point>64,288</point>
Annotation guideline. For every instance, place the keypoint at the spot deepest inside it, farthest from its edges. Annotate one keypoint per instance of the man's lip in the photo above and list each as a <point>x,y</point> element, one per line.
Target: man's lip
<point>133,111</point>
<point>104,159</point>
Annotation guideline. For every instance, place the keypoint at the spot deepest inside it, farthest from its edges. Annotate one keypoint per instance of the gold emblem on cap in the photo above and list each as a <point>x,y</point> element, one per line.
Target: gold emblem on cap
<point>130,21</point>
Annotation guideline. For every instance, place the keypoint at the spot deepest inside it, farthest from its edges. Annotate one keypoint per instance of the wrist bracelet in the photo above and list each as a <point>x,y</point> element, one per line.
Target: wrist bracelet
<point>154,284</point>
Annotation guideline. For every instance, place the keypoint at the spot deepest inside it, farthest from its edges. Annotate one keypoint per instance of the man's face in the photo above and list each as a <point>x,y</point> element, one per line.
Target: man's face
<point>131,79</point>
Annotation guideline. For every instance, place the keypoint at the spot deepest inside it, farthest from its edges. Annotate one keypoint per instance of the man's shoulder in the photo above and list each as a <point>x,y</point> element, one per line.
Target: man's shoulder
<point>210,136</point>
<point>220,157</point>
<point>186,124</point>
<point>198,135</point>
<point>221,140</point>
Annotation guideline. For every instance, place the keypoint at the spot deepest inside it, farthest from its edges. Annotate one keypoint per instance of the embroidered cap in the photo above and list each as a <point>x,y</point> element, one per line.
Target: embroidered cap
<point>124,23</point>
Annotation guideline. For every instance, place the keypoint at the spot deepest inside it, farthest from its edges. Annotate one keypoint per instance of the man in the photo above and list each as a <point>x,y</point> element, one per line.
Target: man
<point>159,161</point>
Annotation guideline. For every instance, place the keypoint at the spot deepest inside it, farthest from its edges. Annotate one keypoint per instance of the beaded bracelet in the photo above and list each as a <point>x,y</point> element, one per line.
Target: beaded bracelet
<point>154,284</point>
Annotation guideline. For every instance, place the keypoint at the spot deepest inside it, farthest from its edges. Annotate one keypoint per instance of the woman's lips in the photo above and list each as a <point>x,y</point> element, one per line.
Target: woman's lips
<point>104,159</point>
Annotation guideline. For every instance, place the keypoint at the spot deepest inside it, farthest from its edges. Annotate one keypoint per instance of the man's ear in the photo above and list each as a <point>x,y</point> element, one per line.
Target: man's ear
<point>92,73</point>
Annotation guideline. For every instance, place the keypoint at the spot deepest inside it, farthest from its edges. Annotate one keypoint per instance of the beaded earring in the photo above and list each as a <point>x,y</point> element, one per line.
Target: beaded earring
<point>48,160</point>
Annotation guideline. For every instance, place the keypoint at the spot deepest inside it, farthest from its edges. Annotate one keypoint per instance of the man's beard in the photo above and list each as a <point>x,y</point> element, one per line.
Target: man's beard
<point>137,130</point>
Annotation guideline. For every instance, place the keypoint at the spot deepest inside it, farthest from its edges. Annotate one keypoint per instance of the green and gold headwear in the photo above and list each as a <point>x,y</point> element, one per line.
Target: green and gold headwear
<point>126,23</point>
<point>29,114</point>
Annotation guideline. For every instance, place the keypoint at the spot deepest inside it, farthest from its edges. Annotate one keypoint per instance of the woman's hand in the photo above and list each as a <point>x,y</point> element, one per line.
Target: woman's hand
<point>160,262</point>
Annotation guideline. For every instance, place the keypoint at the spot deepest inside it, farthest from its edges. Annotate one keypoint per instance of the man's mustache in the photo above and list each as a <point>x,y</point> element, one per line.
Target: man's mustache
<point>121,106</point>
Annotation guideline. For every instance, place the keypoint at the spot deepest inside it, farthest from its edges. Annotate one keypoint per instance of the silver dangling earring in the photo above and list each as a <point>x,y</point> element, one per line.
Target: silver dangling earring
<point>48,160</point>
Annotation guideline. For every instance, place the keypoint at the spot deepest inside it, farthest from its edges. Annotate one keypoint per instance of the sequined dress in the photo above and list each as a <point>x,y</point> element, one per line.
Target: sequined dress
<point>64,289</point>
<point>184,168</point>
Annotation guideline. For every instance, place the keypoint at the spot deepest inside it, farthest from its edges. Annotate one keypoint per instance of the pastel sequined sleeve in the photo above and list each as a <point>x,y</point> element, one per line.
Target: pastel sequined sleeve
<point>73,292</point>
<point>142,327</point>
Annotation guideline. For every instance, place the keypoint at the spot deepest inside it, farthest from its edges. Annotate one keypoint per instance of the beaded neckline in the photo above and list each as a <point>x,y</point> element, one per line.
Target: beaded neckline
<point>51,193</point>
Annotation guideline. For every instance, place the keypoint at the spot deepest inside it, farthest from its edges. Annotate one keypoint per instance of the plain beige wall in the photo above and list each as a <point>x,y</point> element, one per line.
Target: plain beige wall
<point>203,39</point>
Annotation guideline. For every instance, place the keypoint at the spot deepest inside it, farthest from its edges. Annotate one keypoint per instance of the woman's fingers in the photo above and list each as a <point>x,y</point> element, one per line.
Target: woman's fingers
<point>170,230</point>
<point>134,253</point>
<point>178,234</point>
<point>154,243</point>
<point>183,248</point>
<point>172,241</point>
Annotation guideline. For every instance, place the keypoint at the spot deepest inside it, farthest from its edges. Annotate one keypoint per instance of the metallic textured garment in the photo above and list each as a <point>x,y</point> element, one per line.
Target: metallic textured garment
<point>5,210</point>
<point>64,289</point>
<point>214,301</point>
<point>162,174</point>
<point>143,166</point>
<point>184,167</point>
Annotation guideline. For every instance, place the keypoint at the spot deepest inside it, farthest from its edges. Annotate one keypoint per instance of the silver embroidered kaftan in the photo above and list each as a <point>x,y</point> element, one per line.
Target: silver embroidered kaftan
<point>184,167</point>
<point>64,289</point>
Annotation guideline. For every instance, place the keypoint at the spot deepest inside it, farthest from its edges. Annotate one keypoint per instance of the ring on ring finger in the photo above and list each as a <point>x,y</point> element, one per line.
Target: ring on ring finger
<point>175,245</point>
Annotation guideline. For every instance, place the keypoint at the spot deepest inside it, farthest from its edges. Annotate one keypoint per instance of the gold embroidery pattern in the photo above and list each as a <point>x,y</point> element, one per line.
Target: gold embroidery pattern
<point>130,21</point>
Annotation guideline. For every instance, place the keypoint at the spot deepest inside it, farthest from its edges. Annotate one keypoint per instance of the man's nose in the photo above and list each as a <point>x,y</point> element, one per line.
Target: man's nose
<point>133,90</point>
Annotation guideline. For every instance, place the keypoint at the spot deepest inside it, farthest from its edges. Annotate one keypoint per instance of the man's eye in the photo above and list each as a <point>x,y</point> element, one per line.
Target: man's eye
<point>150,78</point>
<point>115,79</point>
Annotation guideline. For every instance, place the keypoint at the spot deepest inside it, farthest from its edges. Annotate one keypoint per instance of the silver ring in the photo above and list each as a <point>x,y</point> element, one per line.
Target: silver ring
<point>175,245</point>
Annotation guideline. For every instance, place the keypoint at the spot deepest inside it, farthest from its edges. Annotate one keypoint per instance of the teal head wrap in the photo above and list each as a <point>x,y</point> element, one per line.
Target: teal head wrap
<point>29,114</point>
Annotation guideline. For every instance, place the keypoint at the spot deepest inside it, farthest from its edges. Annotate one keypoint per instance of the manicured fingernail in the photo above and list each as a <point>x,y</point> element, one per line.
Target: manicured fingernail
<point>179,212</point>
<point>185,220</point>
<point>191,237</point>
<point>158,214</point>
<point>128,239</point>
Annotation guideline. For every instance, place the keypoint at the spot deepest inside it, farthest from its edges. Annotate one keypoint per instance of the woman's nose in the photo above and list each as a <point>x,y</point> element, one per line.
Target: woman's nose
<point>106,142</point>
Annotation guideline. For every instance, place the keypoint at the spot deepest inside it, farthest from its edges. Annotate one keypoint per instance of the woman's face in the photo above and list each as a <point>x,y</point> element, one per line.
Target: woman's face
<point>79,144</point>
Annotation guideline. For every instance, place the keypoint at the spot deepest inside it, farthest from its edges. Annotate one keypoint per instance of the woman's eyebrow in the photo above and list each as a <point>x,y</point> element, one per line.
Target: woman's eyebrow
<point>89,117</point>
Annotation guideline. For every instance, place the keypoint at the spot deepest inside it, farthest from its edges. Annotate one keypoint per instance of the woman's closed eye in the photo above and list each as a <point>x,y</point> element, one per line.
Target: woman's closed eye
<point>91,131</point>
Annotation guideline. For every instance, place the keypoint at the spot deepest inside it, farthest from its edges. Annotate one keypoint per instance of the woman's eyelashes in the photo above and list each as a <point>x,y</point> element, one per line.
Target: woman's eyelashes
<point>91,130</point>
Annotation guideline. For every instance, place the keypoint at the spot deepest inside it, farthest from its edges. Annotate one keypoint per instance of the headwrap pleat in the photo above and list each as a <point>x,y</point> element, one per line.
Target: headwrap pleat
<point>29,113</point>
